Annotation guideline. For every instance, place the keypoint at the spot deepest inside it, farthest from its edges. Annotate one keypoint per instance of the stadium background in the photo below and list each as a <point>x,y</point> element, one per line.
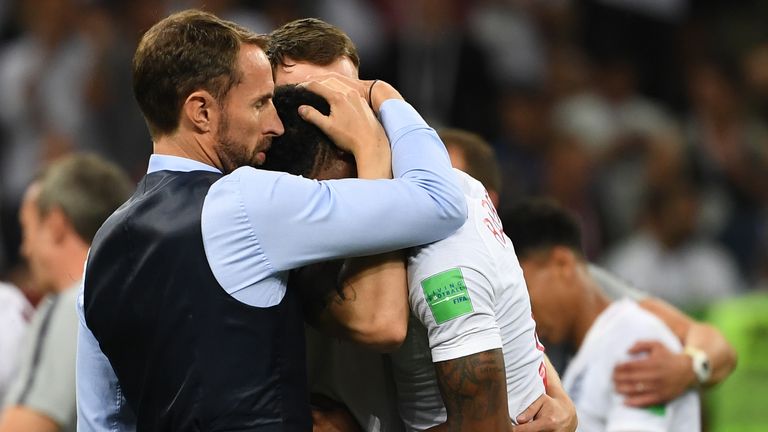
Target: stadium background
<point>647,118</point>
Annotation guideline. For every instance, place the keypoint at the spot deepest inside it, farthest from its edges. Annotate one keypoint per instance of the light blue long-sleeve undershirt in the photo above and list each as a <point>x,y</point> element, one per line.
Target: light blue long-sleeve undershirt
<point>258,224</point>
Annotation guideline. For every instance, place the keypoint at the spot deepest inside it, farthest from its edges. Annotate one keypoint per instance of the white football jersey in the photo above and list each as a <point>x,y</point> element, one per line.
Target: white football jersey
<point>467,295</point>
<point>588,379</point>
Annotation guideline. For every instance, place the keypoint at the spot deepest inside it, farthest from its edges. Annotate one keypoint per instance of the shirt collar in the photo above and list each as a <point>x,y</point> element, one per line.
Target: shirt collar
<point>158,162</point>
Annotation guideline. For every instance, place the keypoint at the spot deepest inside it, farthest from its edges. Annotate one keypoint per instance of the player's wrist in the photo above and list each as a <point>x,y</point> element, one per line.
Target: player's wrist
<point>685,371</point>
<point>700,365</point>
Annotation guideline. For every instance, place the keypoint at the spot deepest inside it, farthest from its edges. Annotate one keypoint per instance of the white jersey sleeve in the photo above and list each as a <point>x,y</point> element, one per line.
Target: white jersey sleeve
<point>453,283</point>
<point>456,305</point>
<point>467,295</point>
<point>623,418</point>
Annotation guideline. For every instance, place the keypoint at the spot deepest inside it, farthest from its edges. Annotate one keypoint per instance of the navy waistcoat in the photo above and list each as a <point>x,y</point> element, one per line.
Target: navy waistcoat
<point>188,356</point>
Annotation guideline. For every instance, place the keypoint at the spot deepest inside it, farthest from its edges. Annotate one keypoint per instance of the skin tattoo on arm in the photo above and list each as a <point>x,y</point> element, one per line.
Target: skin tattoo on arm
<point>474,390</point>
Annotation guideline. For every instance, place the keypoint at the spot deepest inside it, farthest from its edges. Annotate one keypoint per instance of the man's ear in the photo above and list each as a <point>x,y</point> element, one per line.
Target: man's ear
<point>564,260</point>
<point>201,111</point>
<point>58,225</point>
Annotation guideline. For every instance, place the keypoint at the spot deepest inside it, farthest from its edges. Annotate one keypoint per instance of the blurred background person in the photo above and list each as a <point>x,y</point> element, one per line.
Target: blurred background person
<point>668,260</point>
<point>694,73</point>
<point>612,123</point>
<point>570,306</point>
<point>62,210</point>
<point>15,312</point>
<point>471,154</point>
<point>728,151</point>
<point>113,29</point>
<point>521,144</point>
<point>437,64</point>
<point>42,80</point>
<point>665,374</point>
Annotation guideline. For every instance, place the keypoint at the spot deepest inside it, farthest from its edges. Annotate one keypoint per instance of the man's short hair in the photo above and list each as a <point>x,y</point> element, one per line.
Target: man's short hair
<point>479,155</point>
<point>303,148</point>
<point>185,52</point>
<point>310,40</point>
<point>86,188</point>
<point>539,225</point>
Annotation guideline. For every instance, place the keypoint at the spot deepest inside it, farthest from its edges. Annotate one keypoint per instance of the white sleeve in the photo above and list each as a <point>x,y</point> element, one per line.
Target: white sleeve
<point>456,305</point>
<point>623,418</point>
<point>657,418</point>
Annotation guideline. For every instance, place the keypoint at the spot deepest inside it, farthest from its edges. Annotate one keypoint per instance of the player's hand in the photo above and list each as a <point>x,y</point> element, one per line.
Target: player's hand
<point>548,415</point>
<point>657,377</point>
<point>351,125</point>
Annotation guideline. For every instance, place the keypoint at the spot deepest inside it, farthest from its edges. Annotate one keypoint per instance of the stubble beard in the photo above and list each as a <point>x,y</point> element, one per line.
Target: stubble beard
<point>232,153</point>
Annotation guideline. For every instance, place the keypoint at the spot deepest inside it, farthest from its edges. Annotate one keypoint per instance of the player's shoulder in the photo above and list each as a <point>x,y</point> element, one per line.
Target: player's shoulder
<point>11,299</point>
<point>627,315</point>
<point>470,186</point>
<point>628,323</point>
<point>465,247</point>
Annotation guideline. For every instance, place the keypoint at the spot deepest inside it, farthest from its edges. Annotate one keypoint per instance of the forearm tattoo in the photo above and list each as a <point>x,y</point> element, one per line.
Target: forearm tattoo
<point>474,388</point>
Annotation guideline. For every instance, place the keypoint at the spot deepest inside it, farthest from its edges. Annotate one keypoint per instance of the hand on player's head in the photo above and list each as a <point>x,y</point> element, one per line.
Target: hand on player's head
<point>351,125</point>
<point>374,95</point>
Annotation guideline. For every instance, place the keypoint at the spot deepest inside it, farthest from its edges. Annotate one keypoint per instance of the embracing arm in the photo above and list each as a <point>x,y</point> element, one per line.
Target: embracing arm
<point>474,390</point>
<point>374,311</point>
<point>372,307</point>
<point>296,221</point>
<point>662,375</point>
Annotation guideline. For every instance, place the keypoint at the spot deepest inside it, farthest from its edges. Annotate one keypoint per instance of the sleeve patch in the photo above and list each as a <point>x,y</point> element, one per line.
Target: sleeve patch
<point>447,295</point>
<point>659,410</point>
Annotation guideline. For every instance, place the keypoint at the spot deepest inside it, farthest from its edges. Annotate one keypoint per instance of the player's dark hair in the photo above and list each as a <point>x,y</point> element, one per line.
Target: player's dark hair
<point>303,149</point>
<point>539,225</point>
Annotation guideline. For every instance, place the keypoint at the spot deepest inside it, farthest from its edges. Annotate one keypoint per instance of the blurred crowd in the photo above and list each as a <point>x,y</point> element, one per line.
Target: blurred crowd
<point>649,119</point>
